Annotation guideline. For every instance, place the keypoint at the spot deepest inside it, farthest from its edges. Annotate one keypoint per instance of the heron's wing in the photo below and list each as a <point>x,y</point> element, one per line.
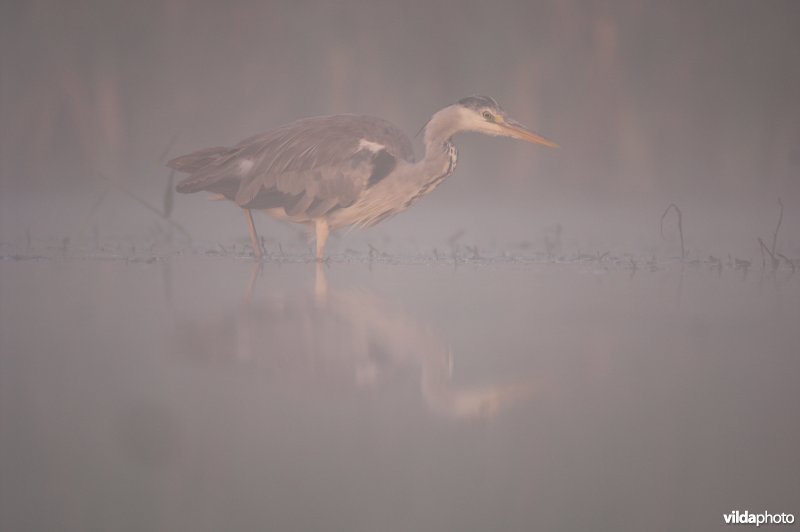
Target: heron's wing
<point>210,170</point>
<point>317,164</point>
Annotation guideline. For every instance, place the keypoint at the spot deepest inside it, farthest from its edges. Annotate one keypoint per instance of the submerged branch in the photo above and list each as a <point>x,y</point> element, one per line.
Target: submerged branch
<point>146,205</point>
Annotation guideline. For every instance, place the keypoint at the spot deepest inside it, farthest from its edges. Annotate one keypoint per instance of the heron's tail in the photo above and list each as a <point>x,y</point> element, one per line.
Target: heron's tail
<point>207,171</point>
<point>197,160</point>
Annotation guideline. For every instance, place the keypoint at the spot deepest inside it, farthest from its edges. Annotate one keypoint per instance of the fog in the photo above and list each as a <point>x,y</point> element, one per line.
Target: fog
<point>691,103</point>
<point>542,342</point>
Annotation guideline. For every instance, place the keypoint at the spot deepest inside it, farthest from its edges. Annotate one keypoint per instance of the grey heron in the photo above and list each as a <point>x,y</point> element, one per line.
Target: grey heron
<point>336,171</point>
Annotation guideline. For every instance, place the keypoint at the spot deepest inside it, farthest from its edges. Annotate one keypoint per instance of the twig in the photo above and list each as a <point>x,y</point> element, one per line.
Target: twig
<point>168,147</point>
<point>452,239</point>
<point>373,252</point>
<point>474,250</point>
<point>680,225</point>
<point>775,261</point>
<point>787,259</point>
<point>777,227</point>
<point>169,195</point>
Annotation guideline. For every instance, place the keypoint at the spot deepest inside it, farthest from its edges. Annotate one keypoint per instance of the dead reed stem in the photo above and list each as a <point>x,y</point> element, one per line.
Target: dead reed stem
<point>680,226</point>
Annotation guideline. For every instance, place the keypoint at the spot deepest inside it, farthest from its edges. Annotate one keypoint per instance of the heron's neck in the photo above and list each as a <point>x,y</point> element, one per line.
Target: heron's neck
<point>440,153</point>
<point>440,129</point>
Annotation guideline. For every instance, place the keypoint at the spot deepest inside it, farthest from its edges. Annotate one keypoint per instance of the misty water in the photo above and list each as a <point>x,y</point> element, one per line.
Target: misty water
<point>200,392</point>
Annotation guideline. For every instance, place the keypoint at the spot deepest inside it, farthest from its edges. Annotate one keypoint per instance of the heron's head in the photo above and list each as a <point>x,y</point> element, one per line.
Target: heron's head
<point>484,115</point>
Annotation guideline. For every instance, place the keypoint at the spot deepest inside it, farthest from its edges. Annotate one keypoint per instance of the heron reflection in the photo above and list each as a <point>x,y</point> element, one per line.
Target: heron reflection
<point>344,336</point>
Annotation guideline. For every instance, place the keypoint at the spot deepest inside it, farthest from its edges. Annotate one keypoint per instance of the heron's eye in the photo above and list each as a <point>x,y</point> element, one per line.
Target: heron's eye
<point>489,117</point>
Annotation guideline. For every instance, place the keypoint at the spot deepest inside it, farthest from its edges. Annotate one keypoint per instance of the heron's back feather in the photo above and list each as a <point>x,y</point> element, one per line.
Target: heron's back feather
<point>308,167</point>
<point>198,159</point>
<point>204,169</point>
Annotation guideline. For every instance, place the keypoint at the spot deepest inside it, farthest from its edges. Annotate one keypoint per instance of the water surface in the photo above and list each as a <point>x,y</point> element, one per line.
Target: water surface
<point>205,393</point>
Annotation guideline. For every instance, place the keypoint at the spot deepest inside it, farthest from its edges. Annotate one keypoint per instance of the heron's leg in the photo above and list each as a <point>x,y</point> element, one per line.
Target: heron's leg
<point>253,235</point>
<point>323,230</point>
<point>321,285</point>
<point>251,286</point>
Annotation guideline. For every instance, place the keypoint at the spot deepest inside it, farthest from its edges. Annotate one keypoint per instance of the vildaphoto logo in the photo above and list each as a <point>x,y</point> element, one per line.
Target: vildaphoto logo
<point>764,518</point>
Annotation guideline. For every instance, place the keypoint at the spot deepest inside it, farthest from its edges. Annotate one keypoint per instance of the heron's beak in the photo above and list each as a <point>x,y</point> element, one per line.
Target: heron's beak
<point>516,130</point>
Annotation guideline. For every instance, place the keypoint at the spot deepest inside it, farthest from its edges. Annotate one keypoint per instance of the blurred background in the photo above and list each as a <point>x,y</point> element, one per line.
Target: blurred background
<point>694,103</point>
